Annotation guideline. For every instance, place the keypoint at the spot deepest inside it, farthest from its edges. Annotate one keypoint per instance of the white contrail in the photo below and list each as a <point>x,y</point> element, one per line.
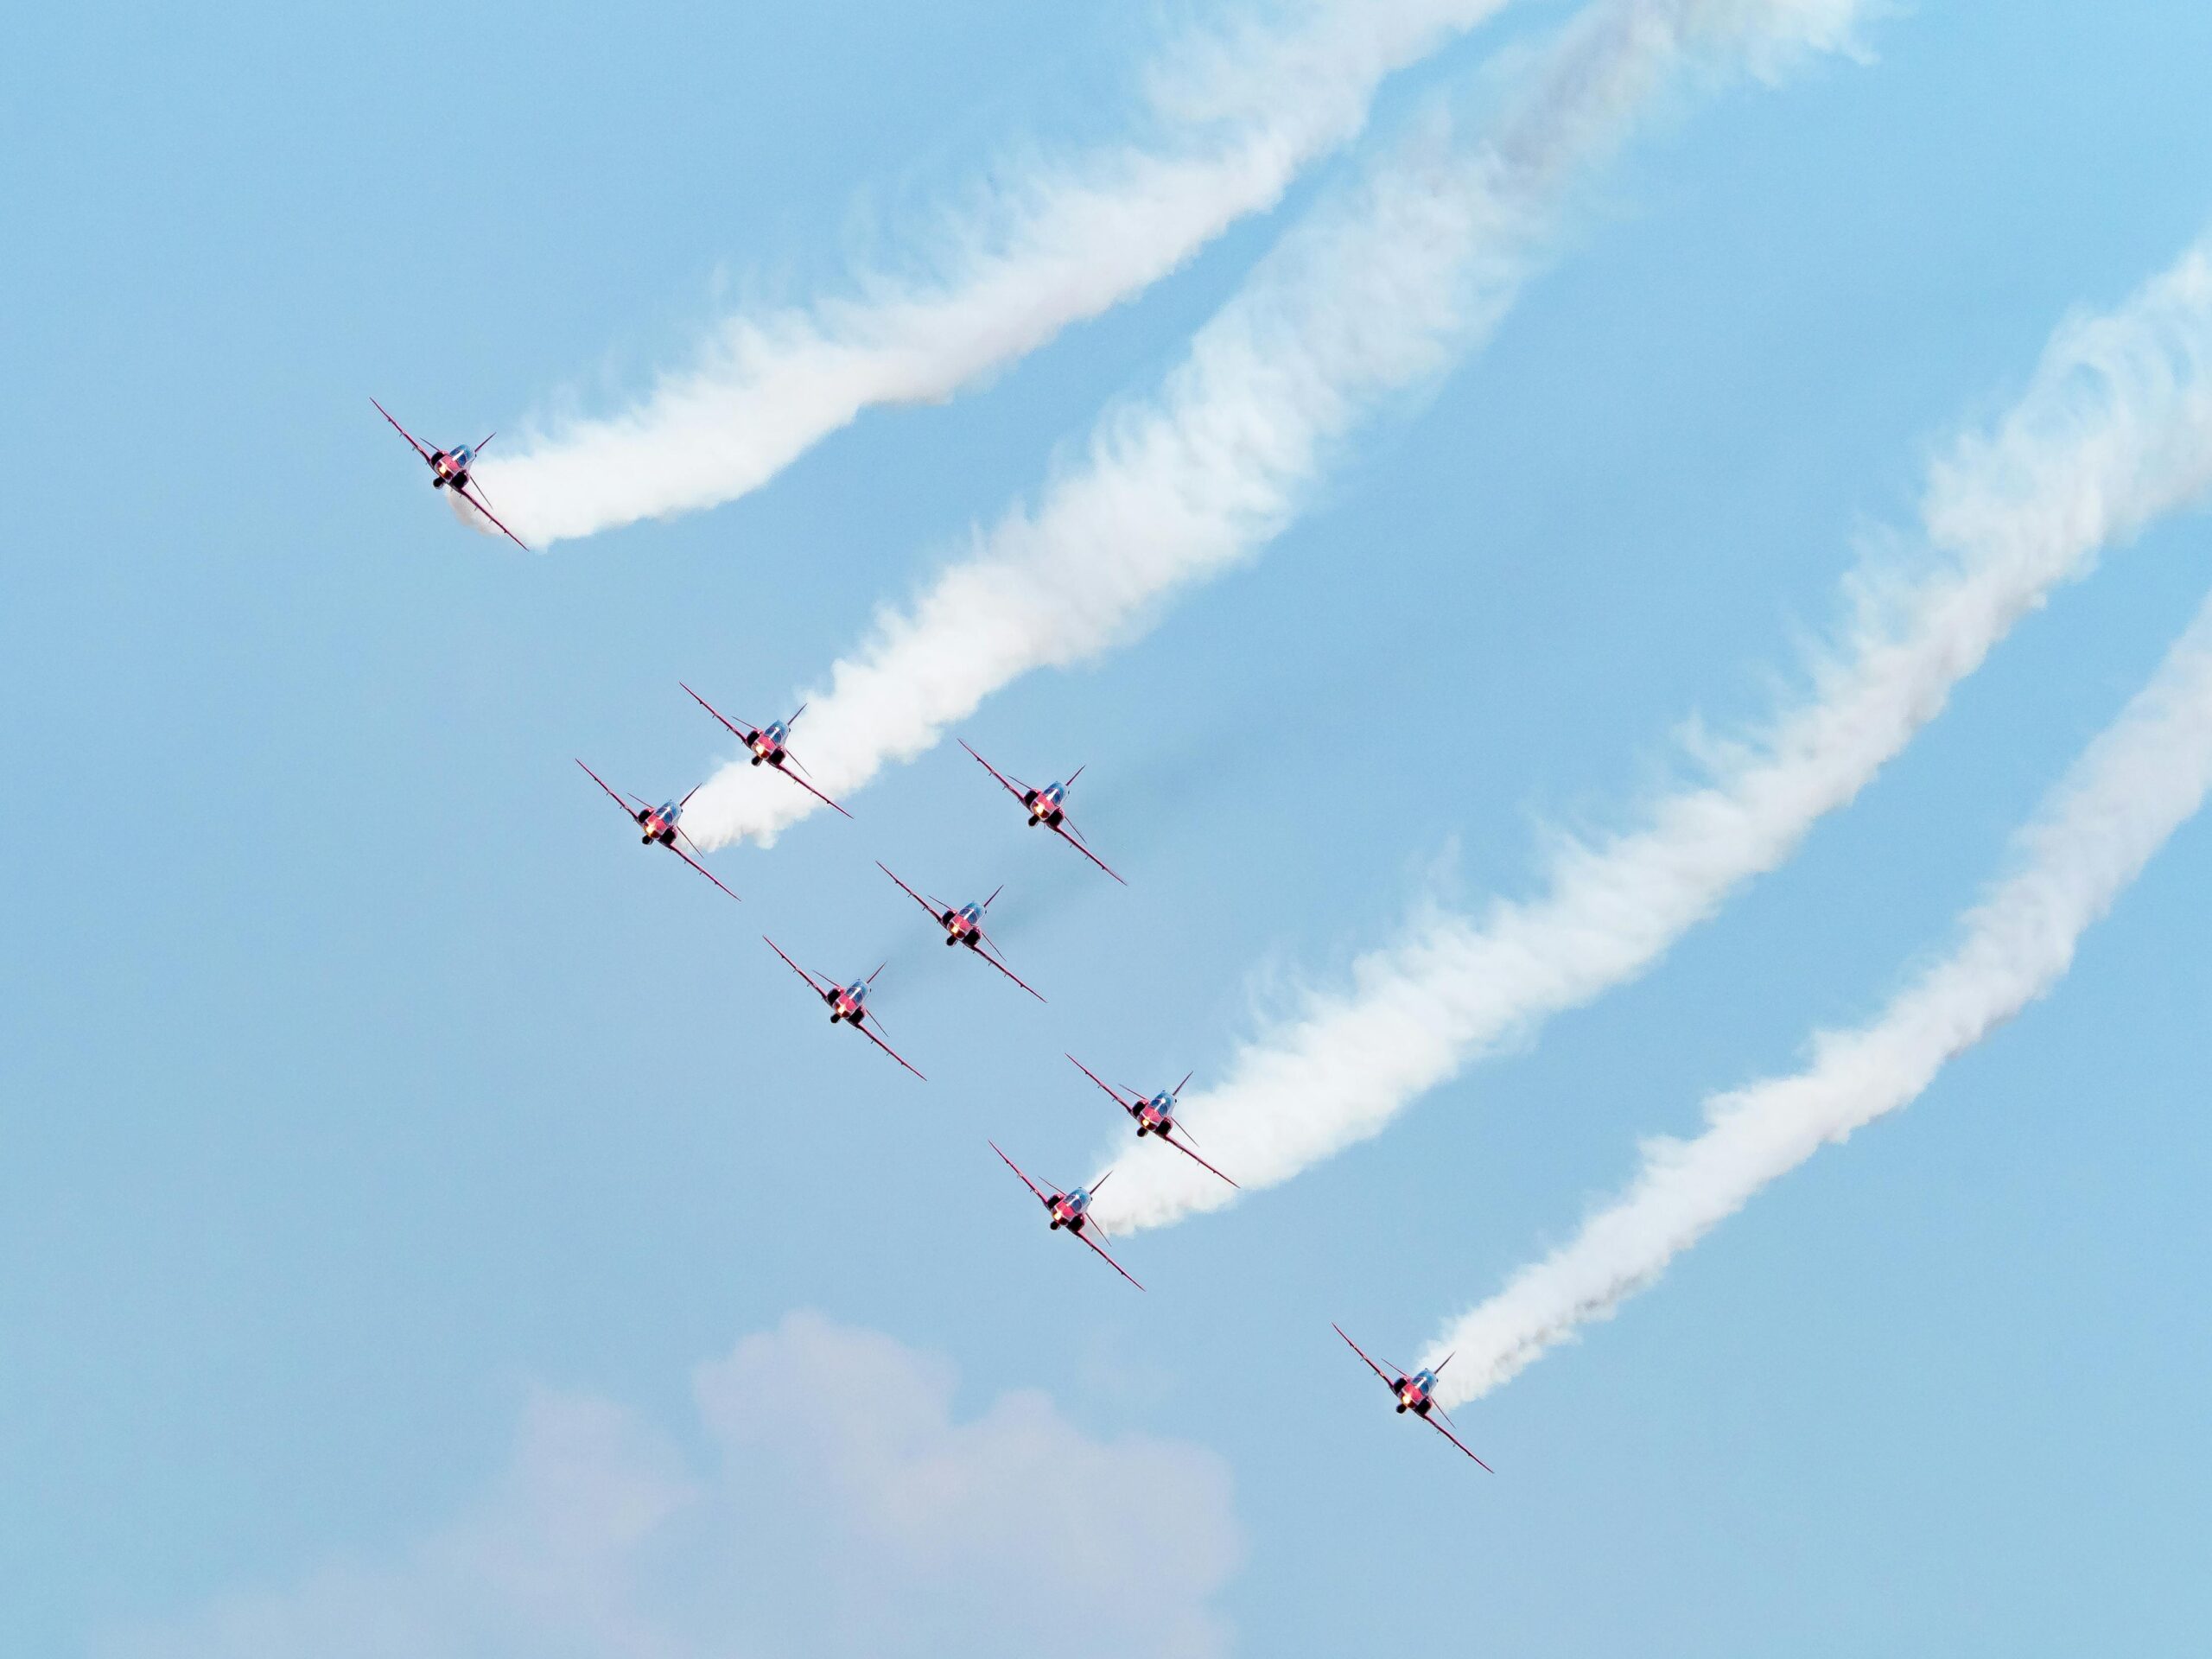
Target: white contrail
<point>2114,429</point>
<point>1376,292</point>
<point>2136,784</point>
<point>1241,110</point>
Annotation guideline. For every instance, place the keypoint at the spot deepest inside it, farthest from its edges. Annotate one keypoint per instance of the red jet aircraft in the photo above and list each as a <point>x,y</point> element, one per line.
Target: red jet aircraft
<point>660,824</point>
<point>1416,1393</point>
<point>964,926</point>
<point>1070,1209</point>
<point>1047,806</point>
<point>450,471</point>
<point>847,1002</point>
<point>770,743</point>
<point>1154,1114</point>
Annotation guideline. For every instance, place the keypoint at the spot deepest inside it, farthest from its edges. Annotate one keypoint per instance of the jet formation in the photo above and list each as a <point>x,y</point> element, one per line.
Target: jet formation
<point>1153,1115</point>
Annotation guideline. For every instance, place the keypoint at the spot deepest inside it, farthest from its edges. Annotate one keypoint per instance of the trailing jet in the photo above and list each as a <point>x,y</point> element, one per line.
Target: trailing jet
<point>1071,1211</point>
<point>847,1002</point>
<point>450,471</point>
<point>1416,1393</point>
<point>1047,806</point>
<point>770,743</point>
<point>1154,1114</point>
<point>660,824</point>
<point>964,926</point>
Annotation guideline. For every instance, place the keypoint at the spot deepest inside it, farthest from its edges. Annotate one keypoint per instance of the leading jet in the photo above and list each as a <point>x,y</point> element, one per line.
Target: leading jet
<point>1416,1393</point>
<point>770,743</point>
<point>1047,806</point>
<point>847,1003</point>
<point>1154,1114</point>
<point>1071,1211</point>
<point>661,824</point>
<point>964,926</point>
<point>450,471</point>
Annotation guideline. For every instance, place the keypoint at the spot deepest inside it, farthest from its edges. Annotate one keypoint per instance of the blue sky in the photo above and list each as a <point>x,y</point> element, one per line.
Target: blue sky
<point>366,1088</point>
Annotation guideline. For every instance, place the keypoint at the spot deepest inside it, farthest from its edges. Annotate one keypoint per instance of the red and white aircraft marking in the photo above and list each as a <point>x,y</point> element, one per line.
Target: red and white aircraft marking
<point>1071,1211</point>
<point>1415,1392</point>
<point>770,743</point>
<point>847,1002</point>
<point>1154,1114</point>
<point>964,926</point>
<point>660,824</point>
<point>1047,806</point>
<point>450,471</point>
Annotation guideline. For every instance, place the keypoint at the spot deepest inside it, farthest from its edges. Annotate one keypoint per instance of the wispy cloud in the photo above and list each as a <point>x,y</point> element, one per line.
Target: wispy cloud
<point>2114,430</point>
<point>846,1509</point>
<point>1377,290</point>
<point>2136,784</point>
<point>1238,110</point>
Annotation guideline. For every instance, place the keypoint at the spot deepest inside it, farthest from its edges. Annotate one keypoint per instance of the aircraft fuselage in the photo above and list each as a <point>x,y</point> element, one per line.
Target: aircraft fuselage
<point>1070,1209</point>
<point>1046,805</point>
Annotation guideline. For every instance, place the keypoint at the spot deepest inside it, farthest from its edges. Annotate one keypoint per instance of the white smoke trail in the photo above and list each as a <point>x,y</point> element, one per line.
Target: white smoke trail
<point>2133,787</point>
<point>1242,112</point>
<point>1377,292</point>
<point>2114,429</point>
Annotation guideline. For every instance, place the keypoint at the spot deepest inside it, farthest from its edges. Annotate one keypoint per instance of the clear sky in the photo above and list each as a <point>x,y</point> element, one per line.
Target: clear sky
<point>418,1203</point>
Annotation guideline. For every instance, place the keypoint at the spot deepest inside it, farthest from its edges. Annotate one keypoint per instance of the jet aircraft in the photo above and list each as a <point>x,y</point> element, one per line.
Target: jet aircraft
<point>770,743</point>
<point>1154,1114</point>
<point>1070,1209</point>
<point>661,824</point>
<point>847,1002</point>
<point>963,926</point>
<point>1416,1393</point>
<point>1047,806</point>
<point>450,471</point>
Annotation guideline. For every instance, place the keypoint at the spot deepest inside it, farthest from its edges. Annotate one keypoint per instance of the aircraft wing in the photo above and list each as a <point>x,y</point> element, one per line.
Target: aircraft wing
<point>934,915</point>
<point>861,1025</point>
<point>1085,1237</point>
<point>704,871</point>
<point>476,503</point>
<point>1043,1197</point>
<point>1065,831</point>
<point>1112,1093</point>
<point>626,810</point>
<point>1430,1418</point>
<point>808,787</point>
<point>404,433</point>
<point>1387,1379</point>
<point>738,729</point>
<point>1164,1136</point>
<point>1016,791</point>
<point>818,990</point>
<point>1011,975</point>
